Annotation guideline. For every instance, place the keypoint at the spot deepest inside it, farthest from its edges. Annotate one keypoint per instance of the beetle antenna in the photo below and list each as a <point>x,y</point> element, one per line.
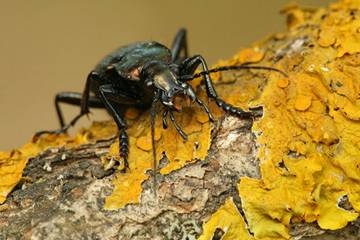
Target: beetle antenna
<point>229,68</point>
<point>152,123</point>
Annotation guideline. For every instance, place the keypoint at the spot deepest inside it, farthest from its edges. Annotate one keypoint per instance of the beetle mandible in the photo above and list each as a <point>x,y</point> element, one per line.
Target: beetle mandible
<point>141,74</point>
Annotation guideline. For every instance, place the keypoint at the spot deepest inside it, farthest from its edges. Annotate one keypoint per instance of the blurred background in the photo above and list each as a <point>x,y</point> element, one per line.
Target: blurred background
<point>50,46</point>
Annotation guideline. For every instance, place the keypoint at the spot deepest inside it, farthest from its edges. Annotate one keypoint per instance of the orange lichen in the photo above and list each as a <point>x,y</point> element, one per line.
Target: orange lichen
<point>229,220</point>
<point>282,82</point>
<point>248,55</point>
<point>302,102</point>
<point>341,30</point>
<point>309,146</point>
<point>128,186</point>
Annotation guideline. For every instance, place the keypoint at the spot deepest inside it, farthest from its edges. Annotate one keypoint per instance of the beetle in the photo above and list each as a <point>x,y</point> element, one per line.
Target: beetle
<point>141,74</point>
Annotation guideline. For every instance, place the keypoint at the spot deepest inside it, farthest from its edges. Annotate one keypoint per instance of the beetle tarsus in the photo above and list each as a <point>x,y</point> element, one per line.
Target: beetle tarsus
<point>61,130</point>
<point>124,147</point>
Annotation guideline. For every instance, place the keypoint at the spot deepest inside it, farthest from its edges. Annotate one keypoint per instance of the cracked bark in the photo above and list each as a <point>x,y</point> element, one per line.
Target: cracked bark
<point>63,194</point>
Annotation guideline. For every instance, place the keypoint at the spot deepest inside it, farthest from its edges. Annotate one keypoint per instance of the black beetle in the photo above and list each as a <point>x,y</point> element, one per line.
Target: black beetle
<point>140,74</point>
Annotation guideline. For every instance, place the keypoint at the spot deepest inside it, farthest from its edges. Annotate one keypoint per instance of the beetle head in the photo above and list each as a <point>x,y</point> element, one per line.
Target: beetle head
<point>163,79</point>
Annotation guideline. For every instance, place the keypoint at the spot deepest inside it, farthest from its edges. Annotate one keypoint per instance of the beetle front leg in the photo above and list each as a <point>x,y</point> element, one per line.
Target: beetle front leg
<point>177,127</point>
<point>124,147</point>
<point>105,90</point>
<point>206,109</point>
<point>191,64</point>
<point>164,119</point>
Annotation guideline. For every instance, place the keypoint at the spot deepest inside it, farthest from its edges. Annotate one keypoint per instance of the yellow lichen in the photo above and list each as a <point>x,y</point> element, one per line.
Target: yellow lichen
<point>295,15</point>
<point>341,28</point>
<point>248,55</point>
<point>309,146</point>
<point>229,220</point>
<point>302,102</point>
<point>128,186</point>
<point>283,82</point>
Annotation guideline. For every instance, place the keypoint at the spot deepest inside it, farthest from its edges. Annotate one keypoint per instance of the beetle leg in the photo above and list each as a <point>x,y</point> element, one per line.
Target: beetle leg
<point>190,65</point>
<point>179,43</point>
<point>120,121</point>
<point>84,104</point>
<point>178,128</point>
<point>206,109</point>
<point>164,116</point>
<point>124,147</point>
<point>73,98</point>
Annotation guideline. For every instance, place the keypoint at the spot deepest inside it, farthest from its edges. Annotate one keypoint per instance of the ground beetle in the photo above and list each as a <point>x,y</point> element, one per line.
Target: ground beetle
<point>141,74</point>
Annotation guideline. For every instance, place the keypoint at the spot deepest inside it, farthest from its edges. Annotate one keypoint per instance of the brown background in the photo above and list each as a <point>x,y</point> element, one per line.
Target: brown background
<point>50,46</point>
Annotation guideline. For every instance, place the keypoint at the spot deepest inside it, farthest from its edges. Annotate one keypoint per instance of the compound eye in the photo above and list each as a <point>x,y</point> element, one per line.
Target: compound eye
<point>177,89</point>
<point>174,91</point>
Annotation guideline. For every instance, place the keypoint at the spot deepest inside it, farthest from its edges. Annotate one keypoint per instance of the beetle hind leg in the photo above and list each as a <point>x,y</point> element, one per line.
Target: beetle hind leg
<point>83,100</point>
<point>179,44</point>
<point>71,98</point>
<point>61,130</point>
